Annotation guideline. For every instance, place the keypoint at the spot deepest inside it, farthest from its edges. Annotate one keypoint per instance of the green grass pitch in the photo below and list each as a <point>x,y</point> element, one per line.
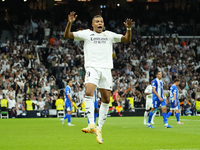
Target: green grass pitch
<point>119,133</point>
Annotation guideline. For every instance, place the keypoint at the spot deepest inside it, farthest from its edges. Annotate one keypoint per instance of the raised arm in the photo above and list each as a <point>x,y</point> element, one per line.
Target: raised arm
<point>71,18</point>
<point>127,37</point>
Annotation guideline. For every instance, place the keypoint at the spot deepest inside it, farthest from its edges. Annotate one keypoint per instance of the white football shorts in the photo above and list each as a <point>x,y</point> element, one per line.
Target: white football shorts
<point>101,77</point>
<point>149,103</point>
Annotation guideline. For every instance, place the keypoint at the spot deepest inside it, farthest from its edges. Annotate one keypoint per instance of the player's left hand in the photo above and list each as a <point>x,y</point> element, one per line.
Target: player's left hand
<point>129,23</point>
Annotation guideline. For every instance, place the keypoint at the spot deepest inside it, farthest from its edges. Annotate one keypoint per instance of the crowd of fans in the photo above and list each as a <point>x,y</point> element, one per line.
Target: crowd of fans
<point>37,61</point>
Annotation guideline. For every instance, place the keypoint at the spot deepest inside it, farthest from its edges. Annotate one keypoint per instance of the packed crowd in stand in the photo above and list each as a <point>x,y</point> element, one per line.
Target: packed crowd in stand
<point>37,61</point>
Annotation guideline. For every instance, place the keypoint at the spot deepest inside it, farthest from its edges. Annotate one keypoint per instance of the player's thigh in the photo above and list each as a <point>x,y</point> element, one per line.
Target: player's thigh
<point>91,80</point>
<point>156,103</point>
<point>148,104</point>
<point>172,107</point>
<point>163,103</point>
<point>105,81</point>
<point>68,107</point>
<point>177,110</point>
<point>105,95</point>
<point>163,106</point>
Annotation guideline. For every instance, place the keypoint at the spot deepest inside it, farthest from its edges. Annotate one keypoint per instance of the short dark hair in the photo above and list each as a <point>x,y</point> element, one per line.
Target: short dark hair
<point>157,72</point>
<point>176,80</point>
<point>97,16</point>
<point>69,80</point>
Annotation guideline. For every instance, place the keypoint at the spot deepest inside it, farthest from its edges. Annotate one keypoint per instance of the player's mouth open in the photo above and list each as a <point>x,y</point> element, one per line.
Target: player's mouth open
<point>99,27</point>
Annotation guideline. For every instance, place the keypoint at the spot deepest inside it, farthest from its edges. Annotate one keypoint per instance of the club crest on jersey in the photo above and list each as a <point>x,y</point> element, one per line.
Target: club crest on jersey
<point>104,34</point>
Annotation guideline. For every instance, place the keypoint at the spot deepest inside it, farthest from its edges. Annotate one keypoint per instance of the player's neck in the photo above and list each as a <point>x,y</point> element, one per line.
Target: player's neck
<point>158,79</point>
<point>97,32</point>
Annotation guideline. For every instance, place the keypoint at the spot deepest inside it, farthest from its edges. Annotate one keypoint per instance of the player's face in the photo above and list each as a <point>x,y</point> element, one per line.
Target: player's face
<point>98,24</point>
<point>178,83</point>
<point>159,75</point>
<point>70,83</point>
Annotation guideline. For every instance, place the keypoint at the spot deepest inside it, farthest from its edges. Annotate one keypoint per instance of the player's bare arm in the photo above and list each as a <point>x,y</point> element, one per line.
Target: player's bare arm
<point>154,91</point>
<point>147,93</point>
<point>71,18</point>
<point>127,37</point>
<point>70,99</point>
<point>175,99</point>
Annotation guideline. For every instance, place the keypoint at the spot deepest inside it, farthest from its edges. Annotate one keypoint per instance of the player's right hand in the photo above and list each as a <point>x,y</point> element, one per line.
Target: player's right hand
<point>72,104</point>
<point>175,104</point>
<point>160,99</point>
<point>72,17</point>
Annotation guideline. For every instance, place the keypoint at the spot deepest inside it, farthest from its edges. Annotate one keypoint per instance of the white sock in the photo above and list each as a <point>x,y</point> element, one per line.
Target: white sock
<point>145,115</point>
<point>89,105</point>
<point>153,117</point>
<point>103,111</point>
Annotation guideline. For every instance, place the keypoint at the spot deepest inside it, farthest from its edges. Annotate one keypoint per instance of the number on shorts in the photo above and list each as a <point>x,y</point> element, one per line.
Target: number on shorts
<point>155,103</point>
<point>88,74</point>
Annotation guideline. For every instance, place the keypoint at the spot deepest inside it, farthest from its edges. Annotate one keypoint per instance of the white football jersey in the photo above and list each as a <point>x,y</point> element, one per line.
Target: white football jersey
<point>98,47</point>
<point>148,90</point>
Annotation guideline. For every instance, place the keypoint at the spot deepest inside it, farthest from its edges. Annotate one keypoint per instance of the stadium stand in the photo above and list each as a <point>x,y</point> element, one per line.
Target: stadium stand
<point>36,62</point>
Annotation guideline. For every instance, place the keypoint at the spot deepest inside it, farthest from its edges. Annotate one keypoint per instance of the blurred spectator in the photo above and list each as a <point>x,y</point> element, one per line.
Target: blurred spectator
<point>187,109</point>
<point>4,103</point>
<point>37,60</point>
<point>60,103</point>
<point>41,104</point>
<point>29,104</point>
<point>13,113</point>
<point>48,103</point>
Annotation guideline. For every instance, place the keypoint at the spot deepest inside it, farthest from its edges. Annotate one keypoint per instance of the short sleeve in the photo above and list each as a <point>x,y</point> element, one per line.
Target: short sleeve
<point>116,38</point>
<point>80,35</point>
<point>154,83</point>
<point>174,90</point>
<point>67,91</point>
<point>147,90</point>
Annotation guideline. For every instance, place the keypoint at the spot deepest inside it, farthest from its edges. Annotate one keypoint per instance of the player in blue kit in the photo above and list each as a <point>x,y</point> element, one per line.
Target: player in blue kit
<point>68,103</point>
<point>158,99</point>
<point>174,102</point>
<point>95,107</point>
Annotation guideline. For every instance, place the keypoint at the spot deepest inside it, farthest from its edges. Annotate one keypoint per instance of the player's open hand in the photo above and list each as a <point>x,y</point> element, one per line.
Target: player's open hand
<point>72,17</point>
<point>160,99</point>
<point>129,23</point>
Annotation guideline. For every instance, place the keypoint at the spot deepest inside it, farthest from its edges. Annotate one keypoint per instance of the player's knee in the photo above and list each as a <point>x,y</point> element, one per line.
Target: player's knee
<point>164,109</point>
<point>96,111</point>
<point>89,93</point>
<point>106,100</point>
<point>152,109</point>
